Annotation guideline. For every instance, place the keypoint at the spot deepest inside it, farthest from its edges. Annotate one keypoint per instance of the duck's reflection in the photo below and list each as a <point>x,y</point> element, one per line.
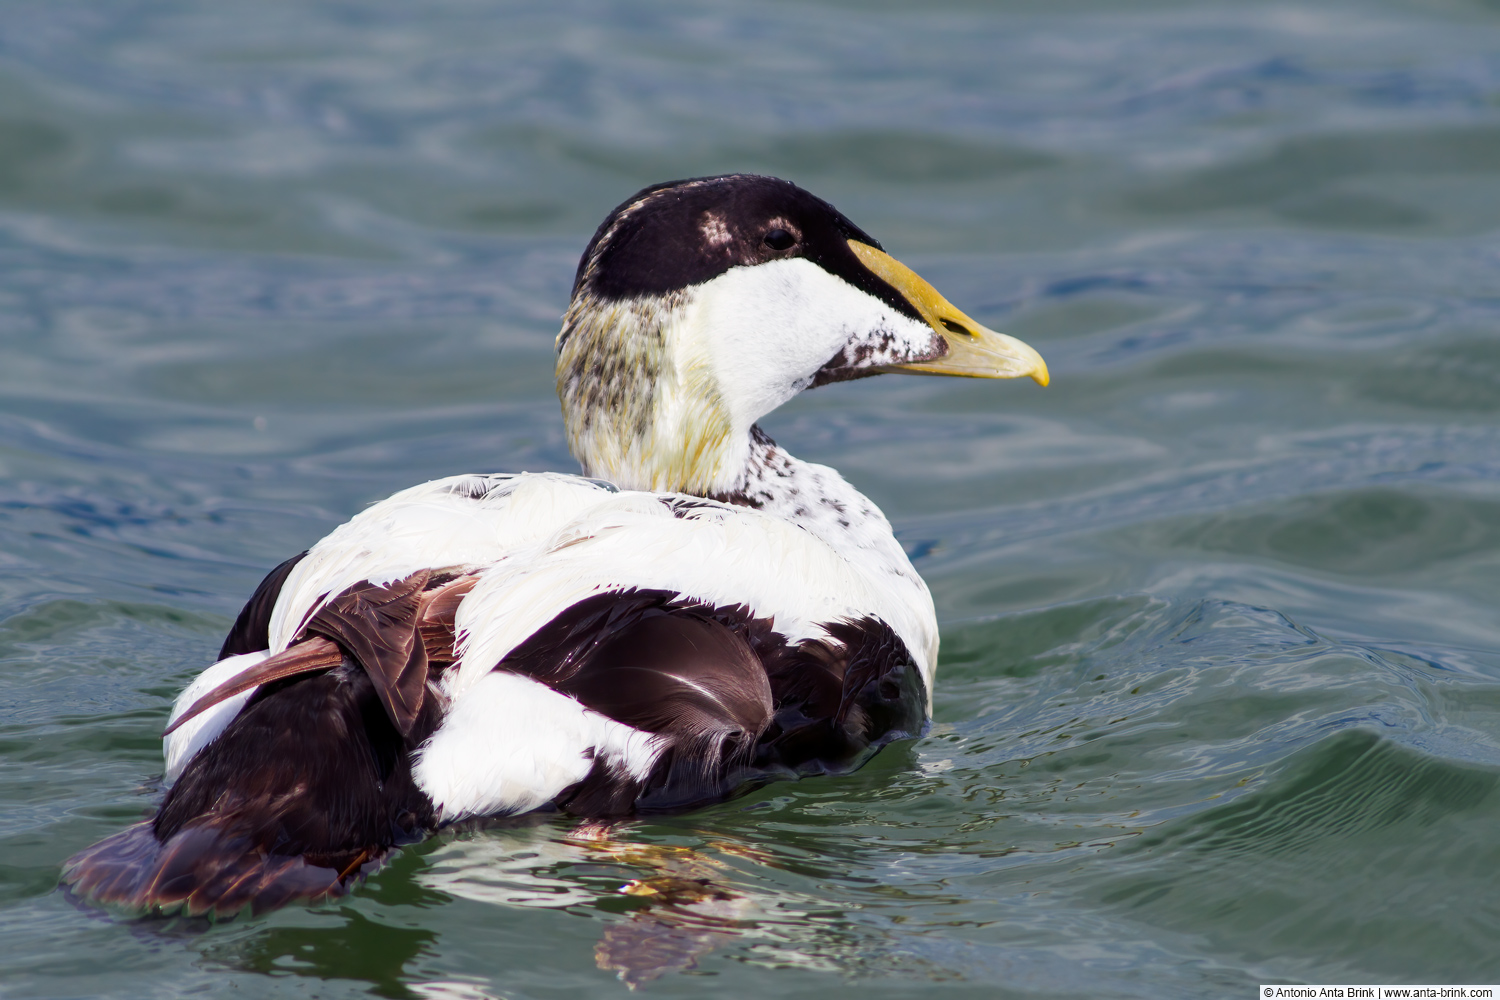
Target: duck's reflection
<point>348,947</point>
<point>686,919</point>
<point>680,904</point>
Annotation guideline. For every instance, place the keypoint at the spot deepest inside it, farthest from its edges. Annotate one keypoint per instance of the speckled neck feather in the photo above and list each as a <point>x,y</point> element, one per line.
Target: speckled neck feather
<point>641,410</point>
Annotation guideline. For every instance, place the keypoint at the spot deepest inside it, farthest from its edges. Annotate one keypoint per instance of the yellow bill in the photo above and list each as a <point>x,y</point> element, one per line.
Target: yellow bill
<point>973,351</point>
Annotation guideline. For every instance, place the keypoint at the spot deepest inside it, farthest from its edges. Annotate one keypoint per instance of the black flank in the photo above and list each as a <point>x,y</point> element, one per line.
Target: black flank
<point>307,789</point>
<point>680,669</point>
<point>735,704</point>
<point>836,703</point>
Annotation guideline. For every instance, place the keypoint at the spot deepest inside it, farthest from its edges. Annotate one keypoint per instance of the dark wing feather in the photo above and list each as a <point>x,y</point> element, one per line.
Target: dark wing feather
<point>676,673</point>
<point>252,629</point>
<point>648,660</point>
<point>432,625</point>
<point>435,625</point>
<point>377,627</point>
<point>556,650</point>
<point>304,658</point>
<point>839,700</point>
<point>682,670</point>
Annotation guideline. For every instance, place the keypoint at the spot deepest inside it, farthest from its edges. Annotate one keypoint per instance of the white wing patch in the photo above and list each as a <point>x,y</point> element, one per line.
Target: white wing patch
<point>463,522</point>
<point>511,744</point>
<point>198,732</point>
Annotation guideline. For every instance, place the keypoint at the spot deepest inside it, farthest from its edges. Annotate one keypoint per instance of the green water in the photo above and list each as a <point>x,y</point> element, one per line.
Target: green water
<point>1219,698</point>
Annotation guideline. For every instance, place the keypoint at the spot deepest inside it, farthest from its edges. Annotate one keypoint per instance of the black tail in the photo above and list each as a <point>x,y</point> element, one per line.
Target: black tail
<point>305,792</point>
<point>309,788</point>
<point>199,871</point>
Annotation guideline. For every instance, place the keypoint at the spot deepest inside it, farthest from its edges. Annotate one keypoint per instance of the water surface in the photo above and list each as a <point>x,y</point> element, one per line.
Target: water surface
<point>1219,697</point>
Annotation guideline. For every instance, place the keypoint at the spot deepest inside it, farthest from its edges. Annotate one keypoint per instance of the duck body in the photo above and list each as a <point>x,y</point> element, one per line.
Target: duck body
<point>701,614</point>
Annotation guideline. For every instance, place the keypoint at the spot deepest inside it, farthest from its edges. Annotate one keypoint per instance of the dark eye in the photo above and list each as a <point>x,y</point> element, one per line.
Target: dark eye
<point>779,239</point>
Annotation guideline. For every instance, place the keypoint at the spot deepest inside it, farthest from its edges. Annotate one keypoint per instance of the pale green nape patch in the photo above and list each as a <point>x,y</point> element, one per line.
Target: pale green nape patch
<point>640,401</point>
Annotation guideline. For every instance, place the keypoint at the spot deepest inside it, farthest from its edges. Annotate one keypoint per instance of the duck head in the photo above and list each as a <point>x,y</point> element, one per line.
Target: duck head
<point>702,305</point>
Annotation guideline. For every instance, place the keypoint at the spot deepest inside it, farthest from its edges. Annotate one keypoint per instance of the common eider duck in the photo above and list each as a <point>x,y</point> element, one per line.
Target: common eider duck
<point>698,613</point>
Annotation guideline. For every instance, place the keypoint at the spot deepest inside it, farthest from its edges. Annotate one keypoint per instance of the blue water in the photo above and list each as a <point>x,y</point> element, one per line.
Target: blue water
<point>1219,697</point>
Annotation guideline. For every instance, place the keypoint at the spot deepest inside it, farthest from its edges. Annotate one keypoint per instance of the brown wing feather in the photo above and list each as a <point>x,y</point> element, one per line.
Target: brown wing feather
<point>393,632</point>
<point>304,658</point>
<point>439,611</point>
<point>377,626</point>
